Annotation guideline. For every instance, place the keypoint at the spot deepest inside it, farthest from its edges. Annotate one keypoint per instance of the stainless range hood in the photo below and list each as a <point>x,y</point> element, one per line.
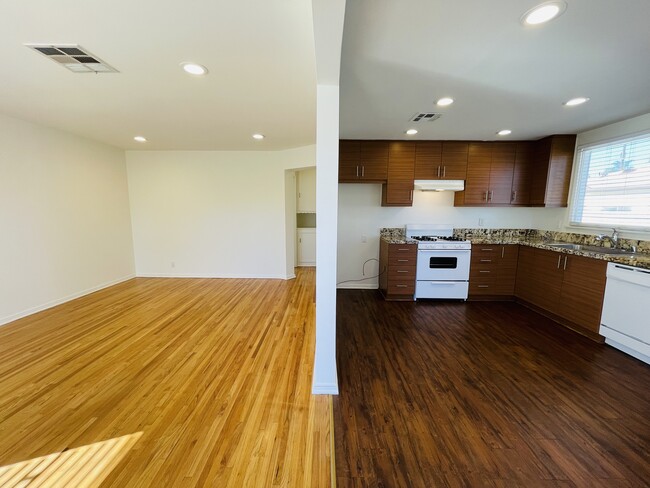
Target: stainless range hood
<point>439,185</point>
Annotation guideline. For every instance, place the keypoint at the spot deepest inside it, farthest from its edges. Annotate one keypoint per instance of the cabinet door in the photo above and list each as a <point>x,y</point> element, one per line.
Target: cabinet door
<point>501,170</point>
<point>397,194</point>
<point>306,186</point>
<point>524,284</point>
<point>454,160</point>
<point>428,156</point>
<point>306,247</point>
<point>559,173</point>
<point>583,289</point>
<point>521,175</point>
<point>477,185</point>
<point>349,152</point>
<point>547,274</point>
<point>401,161</point>
<point>507,269</point>
<point>373,156</point>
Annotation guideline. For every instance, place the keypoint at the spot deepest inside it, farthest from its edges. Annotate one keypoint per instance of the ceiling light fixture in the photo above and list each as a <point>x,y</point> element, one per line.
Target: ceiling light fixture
<point>504,132</point>
<point>194,69</point>
<point>258,137</point>
<point>411,132</point>
<point>544,12</point>
<point>443,102</point>
<point>576,101</point>
<point>140,139</point>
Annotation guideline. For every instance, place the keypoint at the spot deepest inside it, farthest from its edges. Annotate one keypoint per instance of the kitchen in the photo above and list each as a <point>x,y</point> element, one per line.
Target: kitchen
<point>495,95</point>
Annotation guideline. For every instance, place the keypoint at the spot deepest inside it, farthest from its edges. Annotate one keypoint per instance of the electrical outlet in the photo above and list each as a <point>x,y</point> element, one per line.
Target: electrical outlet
<point>364,238</point>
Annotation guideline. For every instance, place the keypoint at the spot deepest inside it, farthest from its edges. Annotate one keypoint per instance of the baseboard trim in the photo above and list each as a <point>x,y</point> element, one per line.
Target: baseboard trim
<point>53,303</point>
<point>358,286</point>
<point>325,389</point>
<point>212,276</point>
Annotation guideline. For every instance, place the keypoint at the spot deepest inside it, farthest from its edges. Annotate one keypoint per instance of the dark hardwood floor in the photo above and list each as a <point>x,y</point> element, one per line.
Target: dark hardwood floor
<point>478,394</point>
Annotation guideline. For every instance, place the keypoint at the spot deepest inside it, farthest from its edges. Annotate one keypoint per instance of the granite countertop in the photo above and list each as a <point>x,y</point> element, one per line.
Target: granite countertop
<point>640,260</point>
<point>538,239</point>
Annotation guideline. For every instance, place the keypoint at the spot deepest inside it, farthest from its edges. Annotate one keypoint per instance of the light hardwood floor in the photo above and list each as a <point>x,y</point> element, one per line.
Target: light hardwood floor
<point>214,374</point>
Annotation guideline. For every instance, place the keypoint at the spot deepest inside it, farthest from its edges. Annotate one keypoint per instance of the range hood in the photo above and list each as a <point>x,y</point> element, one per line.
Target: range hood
<point>439,185</point>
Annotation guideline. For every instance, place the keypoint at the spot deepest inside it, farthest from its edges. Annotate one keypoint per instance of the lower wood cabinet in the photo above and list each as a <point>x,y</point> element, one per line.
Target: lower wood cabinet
<point>569,288</point>
<point>397,264</point>
<point>493,271</point>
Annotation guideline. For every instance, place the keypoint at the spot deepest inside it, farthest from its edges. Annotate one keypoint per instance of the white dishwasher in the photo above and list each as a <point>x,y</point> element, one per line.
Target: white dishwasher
<point>625,322</point>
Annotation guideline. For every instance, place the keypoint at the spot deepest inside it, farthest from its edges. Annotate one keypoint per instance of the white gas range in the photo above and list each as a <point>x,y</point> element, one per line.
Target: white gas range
<point>443,262</point>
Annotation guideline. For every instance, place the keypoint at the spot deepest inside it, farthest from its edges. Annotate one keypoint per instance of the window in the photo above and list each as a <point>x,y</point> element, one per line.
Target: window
<point>612,188</point>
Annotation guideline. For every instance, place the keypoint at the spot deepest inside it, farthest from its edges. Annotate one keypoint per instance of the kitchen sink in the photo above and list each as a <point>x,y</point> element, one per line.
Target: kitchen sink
<point>583,247</point>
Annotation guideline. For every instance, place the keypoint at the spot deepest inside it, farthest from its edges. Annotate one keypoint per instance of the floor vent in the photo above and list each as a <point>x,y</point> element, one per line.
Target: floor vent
<point>73,57</point>
<point>425,117</point>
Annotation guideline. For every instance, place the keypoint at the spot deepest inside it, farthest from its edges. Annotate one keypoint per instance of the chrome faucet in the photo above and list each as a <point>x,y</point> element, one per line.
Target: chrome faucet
<point>613,238</point>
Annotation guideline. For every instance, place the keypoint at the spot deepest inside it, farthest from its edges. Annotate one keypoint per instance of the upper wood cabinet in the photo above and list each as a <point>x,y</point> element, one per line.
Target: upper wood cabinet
<point>363,161</point>
<point>437,160</point>
<point>398,190</point>
<point>490,167</point>
<point>522,173</point>
<point>551,171</point>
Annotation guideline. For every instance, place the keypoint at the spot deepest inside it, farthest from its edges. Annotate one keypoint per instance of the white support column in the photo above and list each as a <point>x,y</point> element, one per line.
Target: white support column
<point>327,142</point>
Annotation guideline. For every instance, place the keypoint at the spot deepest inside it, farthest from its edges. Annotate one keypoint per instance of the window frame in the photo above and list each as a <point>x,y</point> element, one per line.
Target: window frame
<point>575,178</point>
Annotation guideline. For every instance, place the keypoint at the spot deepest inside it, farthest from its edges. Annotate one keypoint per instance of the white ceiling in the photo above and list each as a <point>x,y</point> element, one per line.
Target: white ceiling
<point>400,56</point>
<point>260,55</point>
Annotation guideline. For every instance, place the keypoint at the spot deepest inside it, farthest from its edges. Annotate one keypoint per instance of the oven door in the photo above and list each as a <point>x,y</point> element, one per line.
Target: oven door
<point>443,265</point>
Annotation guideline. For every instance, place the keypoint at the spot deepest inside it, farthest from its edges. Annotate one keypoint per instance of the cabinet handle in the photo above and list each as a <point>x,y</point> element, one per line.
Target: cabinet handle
<point>357,171</point>
<point>559,260</point>
<point>565,260</point>
<point>514,196</point>
<point>491,193</point>
<point>400,286</point>
<point>444,171</point>
<point>484,286</point>
<point>485,261</point>
<point>402,271</point>
<point>484,271</point>
<point>403,249</point>
<point>438,171</point>
<point>486,196</point>
<point>402,260</point>
<point>363,171</point>
<point>503,251</point>
<point>487,249</point>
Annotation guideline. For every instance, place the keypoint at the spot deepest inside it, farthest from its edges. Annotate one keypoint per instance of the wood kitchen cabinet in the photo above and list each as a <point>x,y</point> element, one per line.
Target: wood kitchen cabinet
<point>551,171</point>
<point>490,168</point>
<point>493,271</point>
<point>568,288</point>
<point>521,176</point>
<point>363,161</point>
<point>441,160</point>
<point>397,265</point>
<point>398,190</point>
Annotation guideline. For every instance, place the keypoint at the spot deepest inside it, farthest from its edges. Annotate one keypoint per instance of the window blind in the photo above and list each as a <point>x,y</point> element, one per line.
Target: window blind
<point>612,188</point>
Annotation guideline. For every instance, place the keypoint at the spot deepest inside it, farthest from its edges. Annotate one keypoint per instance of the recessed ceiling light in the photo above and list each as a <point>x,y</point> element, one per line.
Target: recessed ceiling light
<point>411,132</point>
<point>140,139</point>
<point>194,69</point>
<point>259,137</point>
<point>504,132</point>
<point>443,102</point>
<point>576,101</point>
<point>544,12</point>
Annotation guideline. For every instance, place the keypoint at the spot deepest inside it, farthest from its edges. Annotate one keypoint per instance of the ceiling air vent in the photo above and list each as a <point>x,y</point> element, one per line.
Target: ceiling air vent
<point>73,57</point>
<point>425,117</point>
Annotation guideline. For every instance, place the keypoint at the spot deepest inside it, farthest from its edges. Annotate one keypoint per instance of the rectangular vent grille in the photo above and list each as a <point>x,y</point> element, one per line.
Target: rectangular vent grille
<point>425,117</point>
<point>73,57</point>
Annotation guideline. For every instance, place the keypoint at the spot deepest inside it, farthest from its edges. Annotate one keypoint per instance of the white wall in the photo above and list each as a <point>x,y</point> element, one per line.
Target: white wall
<point>360,214</point>
<point>211,213</point>
<point>64,218</point>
